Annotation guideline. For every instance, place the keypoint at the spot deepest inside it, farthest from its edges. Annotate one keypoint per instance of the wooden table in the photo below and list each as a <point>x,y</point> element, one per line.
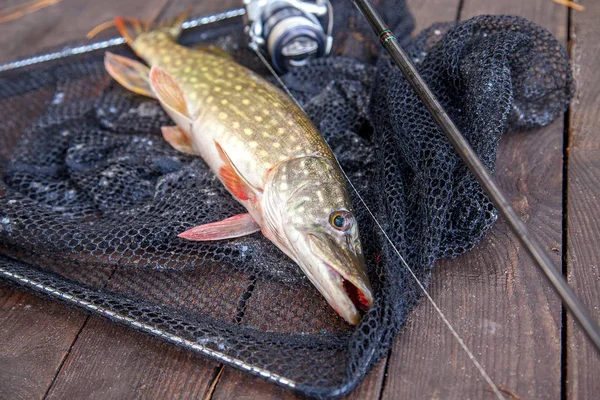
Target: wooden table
<point>494,296</point>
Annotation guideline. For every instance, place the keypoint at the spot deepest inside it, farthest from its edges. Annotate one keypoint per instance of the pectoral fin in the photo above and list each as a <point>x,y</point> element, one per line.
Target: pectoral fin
<point>236,226</point>
<point>132,74</point>
<point>178,138</point>
<point>233,180</point>
<point>170,95</point>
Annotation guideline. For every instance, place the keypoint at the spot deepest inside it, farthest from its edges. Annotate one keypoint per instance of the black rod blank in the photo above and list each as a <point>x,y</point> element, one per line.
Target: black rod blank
<point>470,158</point>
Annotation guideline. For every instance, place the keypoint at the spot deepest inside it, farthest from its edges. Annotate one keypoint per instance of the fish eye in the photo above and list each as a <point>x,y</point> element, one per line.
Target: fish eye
<point>340,220</point>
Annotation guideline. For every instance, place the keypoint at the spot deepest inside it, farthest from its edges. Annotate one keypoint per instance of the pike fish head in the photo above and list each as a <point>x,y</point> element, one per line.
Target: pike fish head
<point>311,219</point>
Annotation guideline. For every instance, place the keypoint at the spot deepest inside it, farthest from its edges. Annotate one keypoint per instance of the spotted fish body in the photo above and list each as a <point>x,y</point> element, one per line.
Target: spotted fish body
<point>263,148</point>
<point>254,122</point>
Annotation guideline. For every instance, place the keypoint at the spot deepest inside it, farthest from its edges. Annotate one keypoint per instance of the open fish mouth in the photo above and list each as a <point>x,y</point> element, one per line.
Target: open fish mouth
<point>361,299</point>
<point>339,275</point>
<point>347,298</point>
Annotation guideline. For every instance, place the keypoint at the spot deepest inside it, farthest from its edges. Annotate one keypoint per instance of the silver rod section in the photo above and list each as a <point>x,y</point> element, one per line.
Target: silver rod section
<point>69,51</point>
<point>470,158</point>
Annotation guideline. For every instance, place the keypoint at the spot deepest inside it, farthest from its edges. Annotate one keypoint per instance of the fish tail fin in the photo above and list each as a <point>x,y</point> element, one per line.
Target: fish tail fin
<point>131,28</point>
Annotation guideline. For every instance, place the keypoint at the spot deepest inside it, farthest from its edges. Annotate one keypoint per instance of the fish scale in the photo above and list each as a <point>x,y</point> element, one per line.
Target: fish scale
<point>254,117</point>
<point>263,148</point>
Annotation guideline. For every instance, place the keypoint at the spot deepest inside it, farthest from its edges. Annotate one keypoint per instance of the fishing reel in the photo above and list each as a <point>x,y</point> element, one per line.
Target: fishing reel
<point>291,32</point>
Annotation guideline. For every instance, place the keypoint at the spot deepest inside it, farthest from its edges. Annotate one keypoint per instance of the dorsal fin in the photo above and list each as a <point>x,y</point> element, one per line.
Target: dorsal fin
<point>131,28</point>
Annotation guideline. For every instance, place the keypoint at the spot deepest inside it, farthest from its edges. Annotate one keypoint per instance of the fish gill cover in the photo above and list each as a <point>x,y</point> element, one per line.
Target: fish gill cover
<point>92,198</point>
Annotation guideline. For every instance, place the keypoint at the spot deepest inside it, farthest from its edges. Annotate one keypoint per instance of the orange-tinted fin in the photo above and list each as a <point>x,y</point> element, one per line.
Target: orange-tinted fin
<point>99,28</point>
<point>178,138</point>
<point>131,28</point>
<point>174,24</point>
<point>233,179</point>
<point>236,226</point>
<point>170,96</point>
<point>233,183</point>
<point>132,74</point>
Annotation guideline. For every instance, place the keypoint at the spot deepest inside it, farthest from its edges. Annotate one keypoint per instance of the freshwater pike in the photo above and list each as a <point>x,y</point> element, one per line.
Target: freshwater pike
<point>265,151</point>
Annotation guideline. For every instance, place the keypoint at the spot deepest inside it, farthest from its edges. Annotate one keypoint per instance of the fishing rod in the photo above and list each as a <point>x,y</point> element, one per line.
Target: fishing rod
<point>470,158</point>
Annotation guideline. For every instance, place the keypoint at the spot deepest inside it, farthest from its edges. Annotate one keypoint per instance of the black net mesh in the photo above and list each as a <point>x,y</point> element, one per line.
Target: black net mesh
<point>92,198</point>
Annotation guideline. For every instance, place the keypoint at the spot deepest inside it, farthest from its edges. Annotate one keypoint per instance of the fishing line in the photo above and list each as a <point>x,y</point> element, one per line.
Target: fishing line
<point>458,338</point>
<point>433,303</point>
<point>266,63</point>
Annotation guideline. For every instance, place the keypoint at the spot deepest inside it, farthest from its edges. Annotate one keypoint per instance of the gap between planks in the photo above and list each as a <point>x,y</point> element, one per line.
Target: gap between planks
<point>214,383</point>
<point>65,357</point>
<point>68,353</point>
<point>565,226</point>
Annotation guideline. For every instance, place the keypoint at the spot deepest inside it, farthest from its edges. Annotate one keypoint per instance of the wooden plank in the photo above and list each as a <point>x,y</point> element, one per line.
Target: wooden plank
<point>583,215</point>
<point>494,296</point>
<point>585,112</point>
<point>546,13</point>
<point>109,361</point>
<point>428,12</point>
<point>235,384</point>
<point>66,21</point>
<point>35,336</point>
<point>199,8</point>
<point>583,360</point>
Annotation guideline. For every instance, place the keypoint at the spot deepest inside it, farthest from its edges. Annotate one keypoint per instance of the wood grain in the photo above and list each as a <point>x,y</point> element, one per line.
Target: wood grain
<point>198,8</point>
<point>583,217</point>
<point>546,13</point>
<point>234,384</point>
<point>35,336</point>
<point>583,360</point>
<point>109,361</point>
<point>428,12</point>
<point>494,296</point>
<point>66,21</point>
<point>585,50</point>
